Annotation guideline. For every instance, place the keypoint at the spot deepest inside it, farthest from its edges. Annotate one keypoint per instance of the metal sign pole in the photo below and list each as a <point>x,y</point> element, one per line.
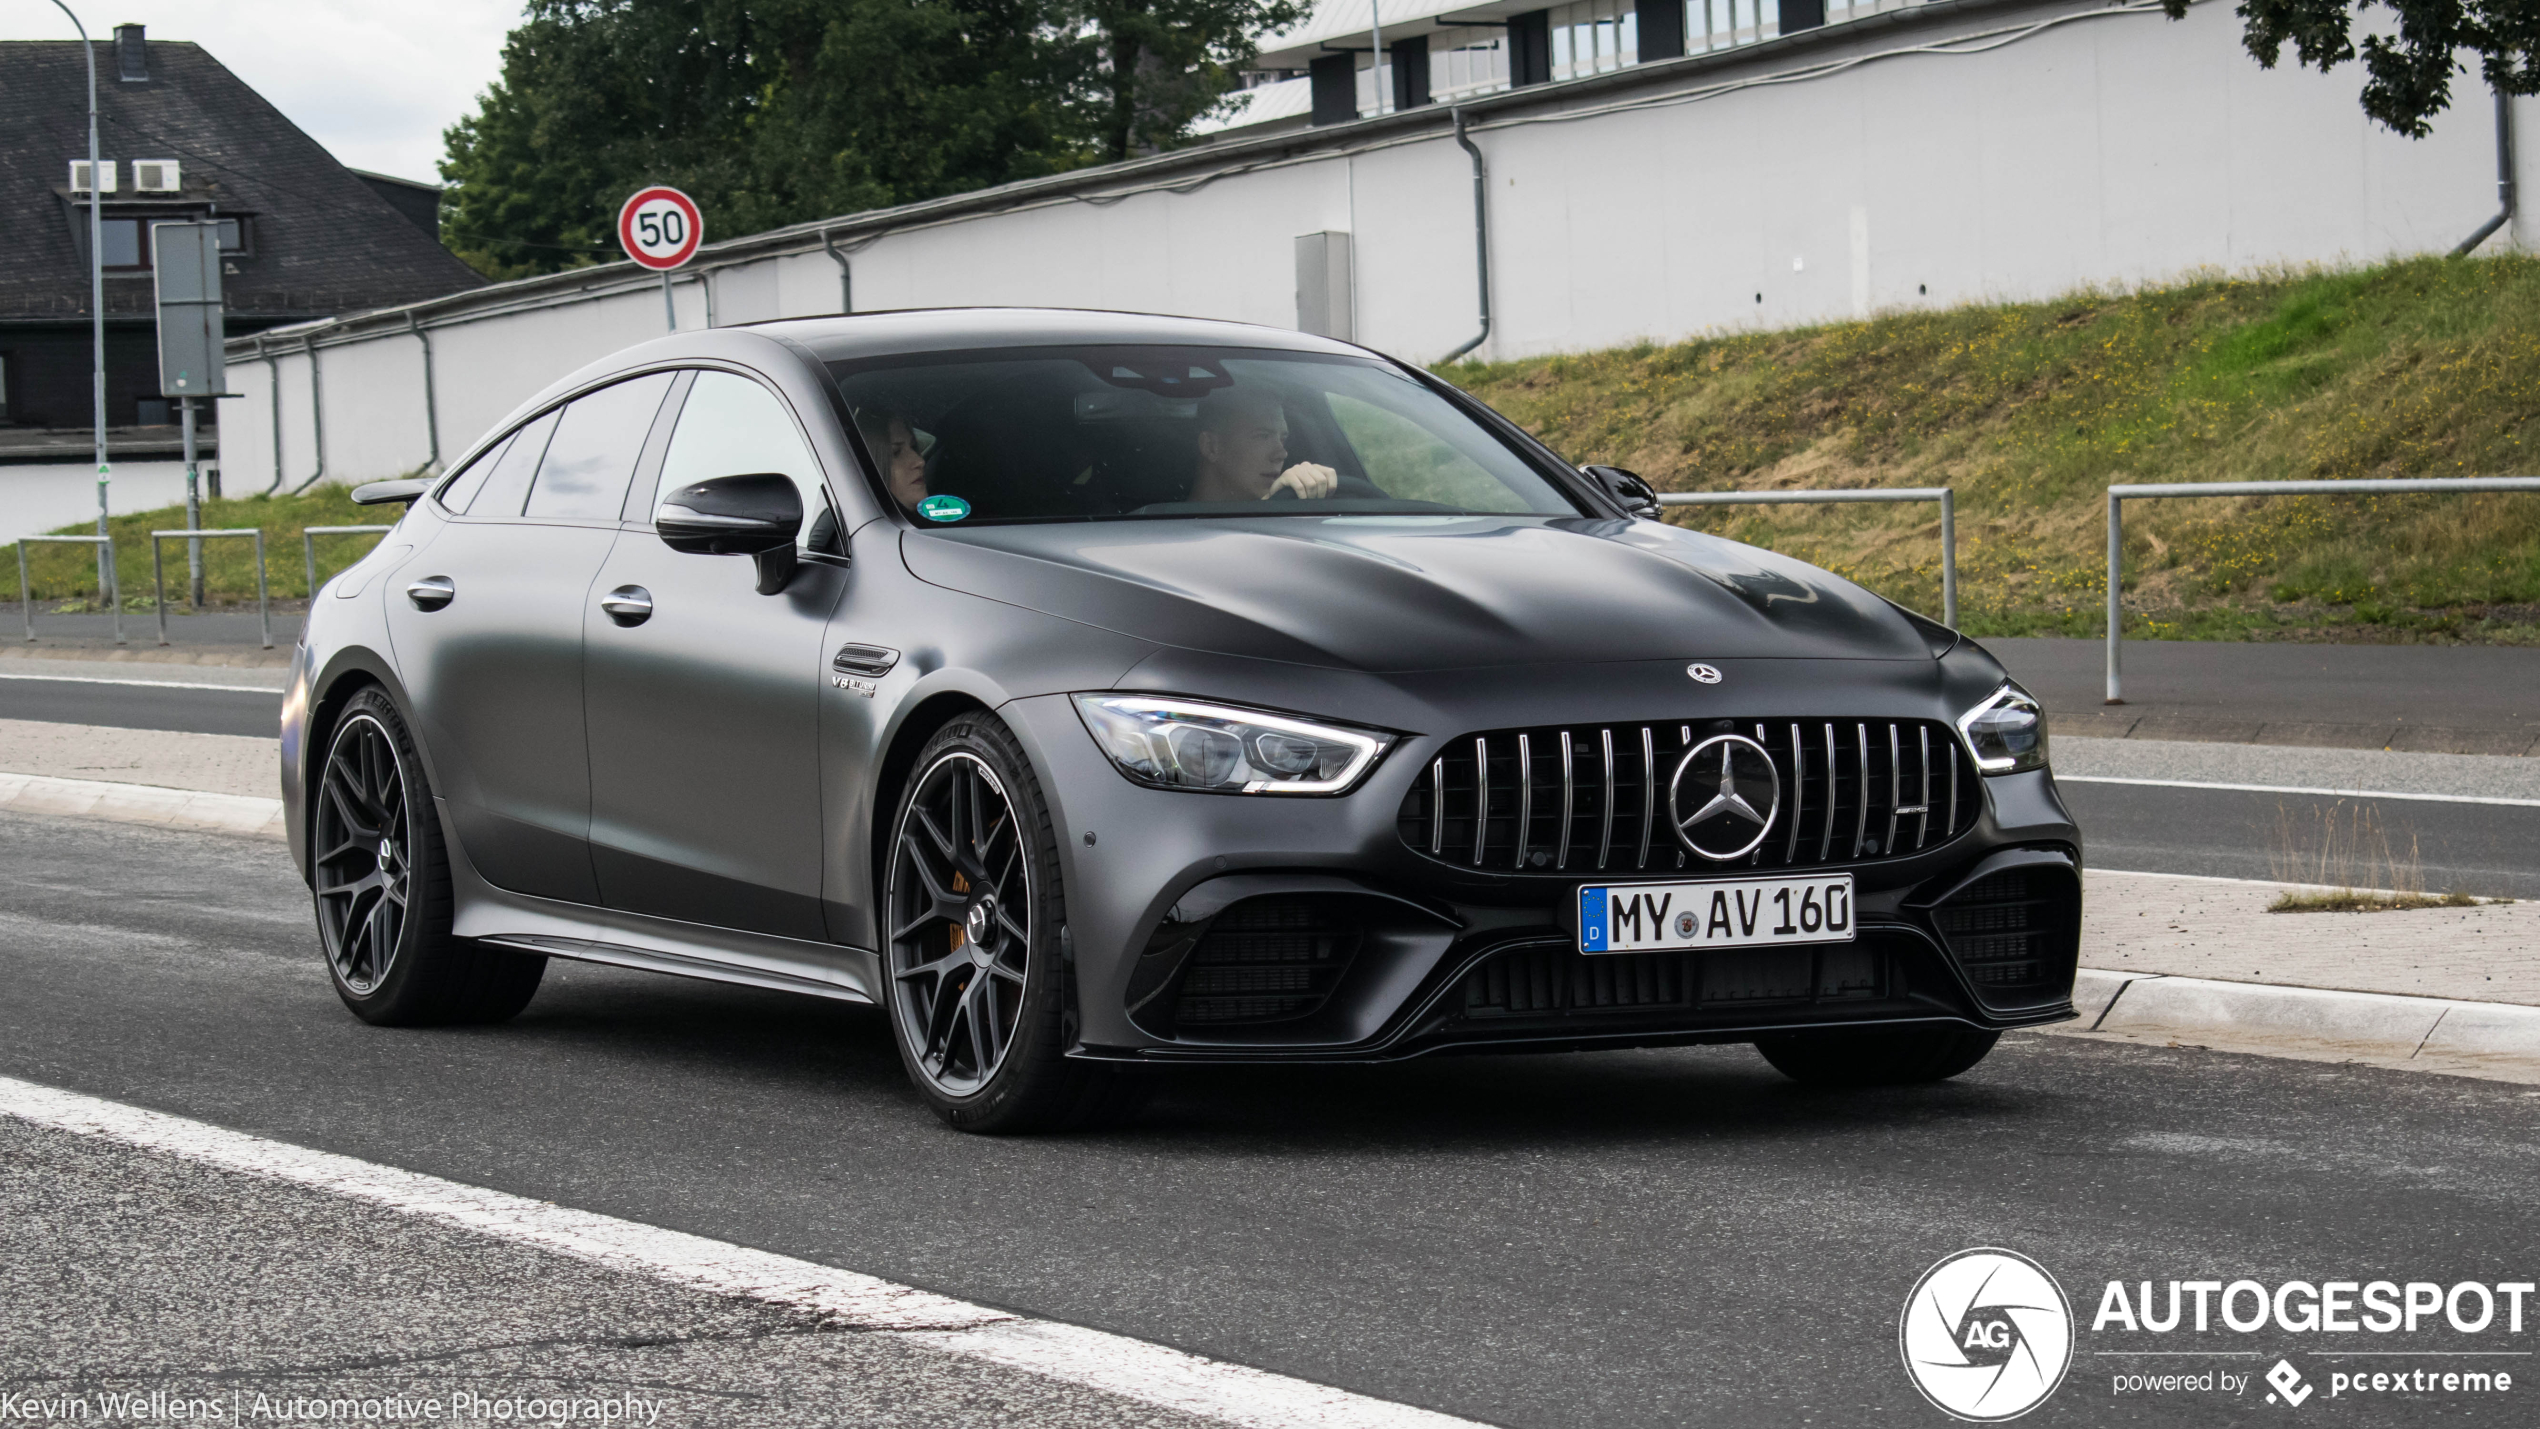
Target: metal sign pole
<point>193,507</point>
<point>2116,593</point>
<point>669,308</point>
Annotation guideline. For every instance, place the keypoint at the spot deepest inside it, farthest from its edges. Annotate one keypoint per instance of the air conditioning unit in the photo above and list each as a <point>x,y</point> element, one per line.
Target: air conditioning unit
<point>79,176</point>
<point>154,176</point>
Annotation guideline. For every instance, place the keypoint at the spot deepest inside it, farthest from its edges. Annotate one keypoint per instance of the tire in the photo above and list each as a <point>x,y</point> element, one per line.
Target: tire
<point>379,876</point>
<point>1876,1057</point>
<point>974,959</point>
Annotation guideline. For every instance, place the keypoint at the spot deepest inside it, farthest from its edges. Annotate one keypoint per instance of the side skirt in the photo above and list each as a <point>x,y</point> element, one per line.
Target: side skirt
<point>631,940</point>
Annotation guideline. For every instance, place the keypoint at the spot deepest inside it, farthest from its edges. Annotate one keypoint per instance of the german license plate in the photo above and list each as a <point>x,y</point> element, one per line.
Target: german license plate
<point>1715,913</point>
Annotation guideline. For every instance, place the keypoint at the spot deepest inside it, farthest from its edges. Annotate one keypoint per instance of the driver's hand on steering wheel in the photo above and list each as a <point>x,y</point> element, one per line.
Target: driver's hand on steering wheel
<point>1306,480</point>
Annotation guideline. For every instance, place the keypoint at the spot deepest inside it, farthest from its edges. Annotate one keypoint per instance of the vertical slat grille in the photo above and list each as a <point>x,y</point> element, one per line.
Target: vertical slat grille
<point>1541,800</point>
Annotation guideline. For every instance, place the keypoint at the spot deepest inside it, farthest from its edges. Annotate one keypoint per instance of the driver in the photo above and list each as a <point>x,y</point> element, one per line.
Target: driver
<point>1243,452</point>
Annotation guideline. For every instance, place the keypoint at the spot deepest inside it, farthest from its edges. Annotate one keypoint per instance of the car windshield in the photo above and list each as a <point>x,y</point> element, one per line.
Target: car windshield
<point>1112,433</point>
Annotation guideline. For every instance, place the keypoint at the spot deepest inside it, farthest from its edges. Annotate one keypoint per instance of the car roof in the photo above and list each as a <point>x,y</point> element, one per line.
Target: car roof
<point>840,339</point>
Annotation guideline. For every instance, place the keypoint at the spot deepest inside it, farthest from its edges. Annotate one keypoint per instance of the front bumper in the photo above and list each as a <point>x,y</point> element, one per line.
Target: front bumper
<point>1253,928</point>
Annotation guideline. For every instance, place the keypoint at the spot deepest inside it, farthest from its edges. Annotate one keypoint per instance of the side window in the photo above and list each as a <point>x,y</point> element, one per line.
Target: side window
<point>461,488</point>
<point>584,474</point>
<point>732,426</point>
<point>507,484</point>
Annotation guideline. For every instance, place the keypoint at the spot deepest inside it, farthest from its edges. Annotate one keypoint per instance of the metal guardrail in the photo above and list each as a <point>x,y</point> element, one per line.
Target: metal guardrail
<point>308,545</point>
<point>1941,494</point>
<point>113,588</point>
<point>2388,486</point>
<point>159,573</point>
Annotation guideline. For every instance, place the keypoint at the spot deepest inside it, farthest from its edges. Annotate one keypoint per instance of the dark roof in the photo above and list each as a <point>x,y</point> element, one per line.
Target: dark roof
<point>322,241</point>
<point>419,202</point>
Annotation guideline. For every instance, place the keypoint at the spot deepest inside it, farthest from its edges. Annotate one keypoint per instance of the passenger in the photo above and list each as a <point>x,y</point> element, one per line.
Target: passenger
<point>901,448</point>
<point>1243,452</point>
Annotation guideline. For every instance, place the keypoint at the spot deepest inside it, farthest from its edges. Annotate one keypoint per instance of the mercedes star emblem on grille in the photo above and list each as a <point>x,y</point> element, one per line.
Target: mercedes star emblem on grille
<point>1704,674</point>
<point>1724,796</point>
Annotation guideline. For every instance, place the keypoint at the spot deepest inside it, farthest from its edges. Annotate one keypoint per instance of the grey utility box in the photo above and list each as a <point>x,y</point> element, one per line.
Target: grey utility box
<point>1322,285</point>
<point>186,259</point>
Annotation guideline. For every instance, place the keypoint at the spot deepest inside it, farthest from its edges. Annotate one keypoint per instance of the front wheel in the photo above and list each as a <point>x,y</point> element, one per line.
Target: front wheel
<point>381,878</point>
<point>972,978</point>
<point>1876,1057</point>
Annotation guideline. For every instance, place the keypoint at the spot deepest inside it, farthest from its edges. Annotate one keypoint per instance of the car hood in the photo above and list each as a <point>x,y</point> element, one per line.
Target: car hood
<point>1408,593</point>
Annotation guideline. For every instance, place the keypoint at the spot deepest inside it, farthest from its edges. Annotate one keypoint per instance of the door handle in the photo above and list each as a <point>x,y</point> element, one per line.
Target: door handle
<point>432,592</point>
<point>628,605</point>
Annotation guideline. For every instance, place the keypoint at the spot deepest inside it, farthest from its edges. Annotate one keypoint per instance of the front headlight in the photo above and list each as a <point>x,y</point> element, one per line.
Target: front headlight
<point>1184,744</point>
<point>2006,733</point>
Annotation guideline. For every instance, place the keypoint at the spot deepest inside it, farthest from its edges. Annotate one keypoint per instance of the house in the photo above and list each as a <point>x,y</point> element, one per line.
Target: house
<point>180,137</point>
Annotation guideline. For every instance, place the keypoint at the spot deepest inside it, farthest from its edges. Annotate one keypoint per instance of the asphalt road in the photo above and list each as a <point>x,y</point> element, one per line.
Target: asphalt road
<point>142,705</point>
<point>2487,849</point>
<point>1621,1239</point>
<point>2485,687</point>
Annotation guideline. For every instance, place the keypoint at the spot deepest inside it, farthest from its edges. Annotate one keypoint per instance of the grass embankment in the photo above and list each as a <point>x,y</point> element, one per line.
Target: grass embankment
<point>2423,368</point>
<point>67,575</point>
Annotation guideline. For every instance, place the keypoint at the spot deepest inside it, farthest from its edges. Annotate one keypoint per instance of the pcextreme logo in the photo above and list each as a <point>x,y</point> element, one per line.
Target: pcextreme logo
<point>1986,1335</point>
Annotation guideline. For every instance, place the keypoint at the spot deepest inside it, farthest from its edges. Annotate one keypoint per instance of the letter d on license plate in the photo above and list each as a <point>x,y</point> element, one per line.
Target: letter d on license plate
<point>1722,913</point>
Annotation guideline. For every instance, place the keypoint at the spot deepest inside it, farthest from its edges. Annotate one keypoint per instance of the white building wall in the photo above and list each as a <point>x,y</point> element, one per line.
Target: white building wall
<point>2109,151</point>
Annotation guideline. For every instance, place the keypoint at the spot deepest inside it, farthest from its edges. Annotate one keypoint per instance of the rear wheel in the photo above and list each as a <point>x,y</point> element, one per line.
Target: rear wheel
<point>972,911</point>
<point>1876,1057</point>
<point>381,877</point>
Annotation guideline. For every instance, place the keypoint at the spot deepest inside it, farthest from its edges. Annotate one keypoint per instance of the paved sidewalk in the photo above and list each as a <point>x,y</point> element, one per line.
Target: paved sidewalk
<point>2210,928</point>
<point>2080,758</point>
<point>206,763</point>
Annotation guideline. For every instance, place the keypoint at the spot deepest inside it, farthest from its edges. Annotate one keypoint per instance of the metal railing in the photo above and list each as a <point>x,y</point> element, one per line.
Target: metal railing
<point>112,588</point>
<point>159,573</point>
<point>1941,494</point>
<point>308,545</point>
<point>2390,486</point>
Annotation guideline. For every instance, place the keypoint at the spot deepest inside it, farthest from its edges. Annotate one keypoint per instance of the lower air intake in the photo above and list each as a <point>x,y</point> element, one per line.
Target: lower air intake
<point>1267,960</point>
<point>2016,933</point>
<point>1557,981</point>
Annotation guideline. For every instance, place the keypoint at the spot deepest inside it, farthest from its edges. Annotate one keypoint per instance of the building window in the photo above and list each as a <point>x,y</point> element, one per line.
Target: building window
<point>123,245</point>
<point>233,235</point>
<point>1720,24</point>
<point>1596,37</point>
<point>1467,62</point>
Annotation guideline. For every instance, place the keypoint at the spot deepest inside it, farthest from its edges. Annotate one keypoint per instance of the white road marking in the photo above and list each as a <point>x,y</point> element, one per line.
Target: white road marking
<point>2298,789</point>
<point>1114,1364</point>
<point>145,684</point>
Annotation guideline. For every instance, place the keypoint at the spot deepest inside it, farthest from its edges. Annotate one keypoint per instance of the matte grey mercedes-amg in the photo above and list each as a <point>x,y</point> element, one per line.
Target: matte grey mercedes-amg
<point>1097,692</point>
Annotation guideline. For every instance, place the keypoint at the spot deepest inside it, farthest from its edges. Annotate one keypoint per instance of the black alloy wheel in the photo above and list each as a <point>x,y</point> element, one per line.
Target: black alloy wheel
<point>972,913</point>
<point>363,871</point>
<point>961,923</point>
<point>380,877</point>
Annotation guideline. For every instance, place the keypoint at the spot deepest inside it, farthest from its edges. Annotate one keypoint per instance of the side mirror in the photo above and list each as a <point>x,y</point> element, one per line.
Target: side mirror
<point>1637,496</point>
<point>756,515</point>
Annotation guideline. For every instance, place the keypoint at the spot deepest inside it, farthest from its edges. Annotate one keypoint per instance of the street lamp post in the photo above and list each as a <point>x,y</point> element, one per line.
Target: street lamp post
<point>96,287</point>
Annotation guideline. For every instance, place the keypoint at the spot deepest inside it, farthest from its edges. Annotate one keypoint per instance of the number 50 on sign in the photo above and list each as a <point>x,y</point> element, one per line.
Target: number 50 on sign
<point>660,228</point>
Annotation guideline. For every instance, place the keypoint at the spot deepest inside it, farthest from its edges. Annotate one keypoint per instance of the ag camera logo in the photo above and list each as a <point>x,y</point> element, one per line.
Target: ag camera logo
<point>1986,1335</point>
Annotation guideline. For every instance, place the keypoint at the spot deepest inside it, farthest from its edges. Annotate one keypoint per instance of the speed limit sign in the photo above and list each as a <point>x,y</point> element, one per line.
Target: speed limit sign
<point>660,228</point>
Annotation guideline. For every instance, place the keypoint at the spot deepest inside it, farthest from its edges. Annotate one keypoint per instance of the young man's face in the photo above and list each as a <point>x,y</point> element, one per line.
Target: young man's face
<point>1251,450</point>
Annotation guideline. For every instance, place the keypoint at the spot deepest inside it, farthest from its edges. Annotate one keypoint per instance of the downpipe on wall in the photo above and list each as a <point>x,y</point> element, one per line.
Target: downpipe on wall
<point>2504,177</point>
<point>317,417</point>
<point>1481,236</point>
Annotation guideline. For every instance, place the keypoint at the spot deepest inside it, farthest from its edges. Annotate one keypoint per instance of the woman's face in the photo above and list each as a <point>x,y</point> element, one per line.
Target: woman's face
<point>906,465</point>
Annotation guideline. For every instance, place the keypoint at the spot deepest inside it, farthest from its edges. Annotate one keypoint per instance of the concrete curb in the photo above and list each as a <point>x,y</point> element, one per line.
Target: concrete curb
<point>187,809</point>
<point>2495,1040</point>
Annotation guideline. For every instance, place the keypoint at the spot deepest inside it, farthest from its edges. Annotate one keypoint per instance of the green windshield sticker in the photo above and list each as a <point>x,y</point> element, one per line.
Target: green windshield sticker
<point>943,508</point>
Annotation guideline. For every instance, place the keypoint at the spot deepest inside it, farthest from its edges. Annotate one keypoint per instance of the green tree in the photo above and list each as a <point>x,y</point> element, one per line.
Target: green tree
<point>1146,69</point>
<point>2407,76</point>
<point>770,112</point>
